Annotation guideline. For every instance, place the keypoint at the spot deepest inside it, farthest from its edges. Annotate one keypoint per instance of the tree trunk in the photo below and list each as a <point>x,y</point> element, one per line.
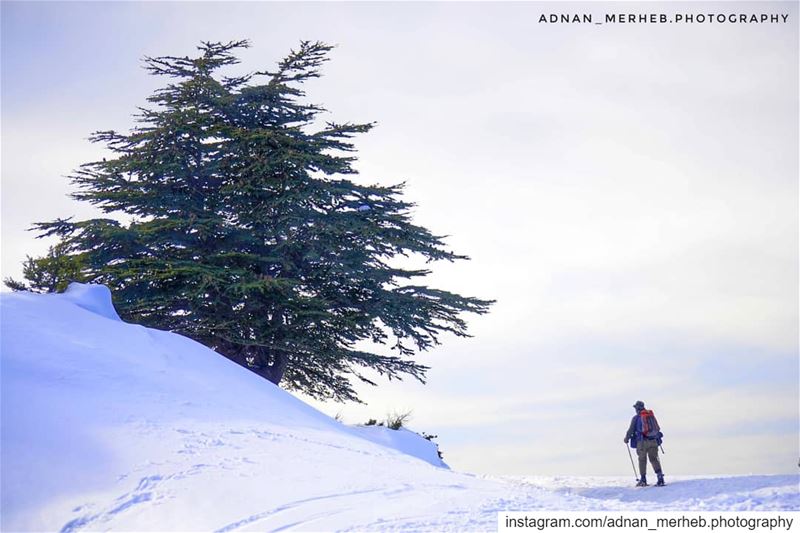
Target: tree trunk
<point>275,371</point>
<point>269,365</point>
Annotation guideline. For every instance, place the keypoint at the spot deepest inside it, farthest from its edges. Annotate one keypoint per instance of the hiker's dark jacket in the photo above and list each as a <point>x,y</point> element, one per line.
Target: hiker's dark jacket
<point>631,434</point>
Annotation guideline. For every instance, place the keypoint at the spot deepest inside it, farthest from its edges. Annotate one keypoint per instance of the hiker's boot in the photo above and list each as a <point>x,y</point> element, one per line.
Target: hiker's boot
<point>660,482</point>
<point>642,482</point>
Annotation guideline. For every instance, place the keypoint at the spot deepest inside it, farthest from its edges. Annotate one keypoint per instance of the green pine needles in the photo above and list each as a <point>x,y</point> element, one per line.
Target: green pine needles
<point>245,234</point>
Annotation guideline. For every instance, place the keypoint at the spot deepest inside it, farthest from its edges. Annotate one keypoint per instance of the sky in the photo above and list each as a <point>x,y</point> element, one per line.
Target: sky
<point>628,193</point>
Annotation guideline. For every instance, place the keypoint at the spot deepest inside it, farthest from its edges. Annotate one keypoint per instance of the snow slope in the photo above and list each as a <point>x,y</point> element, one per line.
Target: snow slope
<point>108,425</point>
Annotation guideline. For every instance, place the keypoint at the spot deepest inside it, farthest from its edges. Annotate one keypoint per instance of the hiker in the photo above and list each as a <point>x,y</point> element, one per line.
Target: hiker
<point>645,435</point>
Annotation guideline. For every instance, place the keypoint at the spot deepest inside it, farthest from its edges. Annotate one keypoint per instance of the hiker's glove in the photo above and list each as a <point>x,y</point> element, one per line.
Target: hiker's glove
<point>625,440</point>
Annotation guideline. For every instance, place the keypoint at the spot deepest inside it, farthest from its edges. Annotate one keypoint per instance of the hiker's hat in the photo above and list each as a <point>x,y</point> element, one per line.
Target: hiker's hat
<point>639,405</point>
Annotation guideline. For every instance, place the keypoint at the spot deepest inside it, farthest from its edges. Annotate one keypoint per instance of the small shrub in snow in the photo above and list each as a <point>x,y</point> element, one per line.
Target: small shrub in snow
<point>398,420</point>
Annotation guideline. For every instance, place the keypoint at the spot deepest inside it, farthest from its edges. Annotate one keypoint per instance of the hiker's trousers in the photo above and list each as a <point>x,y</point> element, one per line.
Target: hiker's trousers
<point>648,448</point>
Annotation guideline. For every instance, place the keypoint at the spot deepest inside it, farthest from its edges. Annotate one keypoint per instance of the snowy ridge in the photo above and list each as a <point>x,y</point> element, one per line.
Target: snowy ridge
<point>698,493</point>
<point>108,425</point>
<point>94,298</point>
<point>402,440</point>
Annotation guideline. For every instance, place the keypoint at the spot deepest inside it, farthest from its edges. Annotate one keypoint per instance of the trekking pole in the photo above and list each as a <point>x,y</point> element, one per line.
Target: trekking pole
<point>632,465</point>
<point>662,448</point>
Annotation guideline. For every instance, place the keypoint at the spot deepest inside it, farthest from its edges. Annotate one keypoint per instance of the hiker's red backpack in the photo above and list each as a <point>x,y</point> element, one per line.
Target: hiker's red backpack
<point>647,426</point>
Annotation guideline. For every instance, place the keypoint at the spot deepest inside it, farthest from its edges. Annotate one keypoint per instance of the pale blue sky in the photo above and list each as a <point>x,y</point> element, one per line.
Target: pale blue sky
<point>628,194</point>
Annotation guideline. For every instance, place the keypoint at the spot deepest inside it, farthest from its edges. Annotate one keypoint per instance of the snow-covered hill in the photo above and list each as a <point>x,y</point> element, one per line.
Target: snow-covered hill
<point>108,425</point>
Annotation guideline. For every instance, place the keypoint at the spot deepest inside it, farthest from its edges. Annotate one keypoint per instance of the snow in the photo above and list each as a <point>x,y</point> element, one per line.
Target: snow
<point>94,298</point>
<point>403,440</point>
<point>698,493</point>
<point>108,425</point>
